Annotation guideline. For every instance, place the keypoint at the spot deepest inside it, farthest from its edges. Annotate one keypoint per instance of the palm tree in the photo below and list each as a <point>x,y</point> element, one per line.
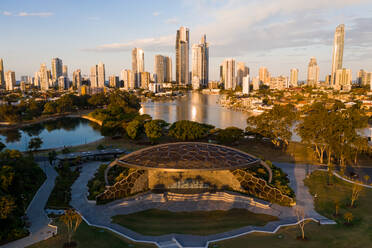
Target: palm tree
<point>72,220</point>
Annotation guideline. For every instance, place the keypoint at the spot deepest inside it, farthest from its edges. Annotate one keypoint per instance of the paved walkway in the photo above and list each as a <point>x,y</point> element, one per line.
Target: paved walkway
<point>40,228</point>
<point>100,215</point>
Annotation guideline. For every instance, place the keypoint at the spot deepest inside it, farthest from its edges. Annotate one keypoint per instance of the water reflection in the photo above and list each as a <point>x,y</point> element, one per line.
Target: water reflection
<point>195,107</point>
<point>54,133</point>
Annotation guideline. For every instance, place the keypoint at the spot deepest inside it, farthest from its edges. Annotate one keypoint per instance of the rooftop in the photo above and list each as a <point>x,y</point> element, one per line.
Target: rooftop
<point>188,156</point>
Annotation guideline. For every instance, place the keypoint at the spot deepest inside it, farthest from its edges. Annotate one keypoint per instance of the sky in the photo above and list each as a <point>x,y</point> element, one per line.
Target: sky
<point>278,34</point>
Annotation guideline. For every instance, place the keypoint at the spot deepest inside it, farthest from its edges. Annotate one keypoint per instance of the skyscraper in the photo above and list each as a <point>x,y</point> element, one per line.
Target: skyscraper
<point>264,76</point>
<point>128,77</point>
<point>241,72</point>
<point>57,70</point>
<point>200,63</point>
<point>76,79</point>
<point>44,77</point>
<point>294,77</point>
<point>245,86</point>
<point>182,56</point>
<point>65,71</point>
<point>168,71</point>
<point>10,80</point>
<point>2,78</point>
<point>145,80</point>
<point>114,81</point>
<point>338,51</point>
<point>160,68</point>
<point>94,76</point>
<point>138,64</point>
<point>313,72</point>
<point>101,75</point>
<point>229,78</point>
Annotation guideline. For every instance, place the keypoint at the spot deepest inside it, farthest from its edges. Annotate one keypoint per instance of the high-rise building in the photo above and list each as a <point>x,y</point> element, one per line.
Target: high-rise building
<point>128,77</point>
<point>2,77</point>
<point>228,73</point>
<point>62,83</point>
<point>10,80</point>
<point>145,80</point>
<point>76,79</point>
<point>37,79</point>
<point>338,51</point>
<point>245,85</point>
<point>138,64</point>
<point>114,81</point>
<point>343,79</point>
<point>65,71</point>
<point>241,72</point>
<point>200,64</point>
<point>94,77</point>
<point>182,56</point>
<point>294,77</point>
<point>264,76</point>
<point>44,77</point>
<point>363,78</point>
<point>328,80</point>
<point>312,73</point>
<point>160,68</point>
<point>168,71</point>
<point>57,70</point>
<point>101,75</point>
<point>256,83</point>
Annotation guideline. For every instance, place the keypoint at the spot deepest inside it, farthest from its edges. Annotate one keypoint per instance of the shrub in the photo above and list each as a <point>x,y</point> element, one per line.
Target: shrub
<point>229,135</point>
<point>189,130</point>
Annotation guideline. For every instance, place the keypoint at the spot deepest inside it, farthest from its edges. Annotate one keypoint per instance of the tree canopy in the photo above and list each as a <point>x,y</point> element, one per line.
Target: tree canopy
<point>189,130</point>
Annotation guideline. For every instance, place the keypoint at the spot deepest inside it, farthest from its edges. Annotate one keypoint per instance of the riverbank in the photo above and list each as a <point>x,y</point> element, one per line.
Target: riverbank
<point>79,114</point>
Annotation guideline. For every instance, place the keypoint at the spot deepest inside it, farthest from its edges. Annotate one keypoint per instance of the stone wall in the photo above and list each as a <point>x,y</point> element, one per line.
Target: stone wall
<point>258,187</point>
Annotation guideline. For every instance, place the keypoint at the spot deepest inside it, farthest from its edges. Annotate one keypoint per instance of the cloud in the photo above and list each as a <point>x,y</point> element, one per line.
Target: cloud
<point>171,21</point>
<point>7,13</point>
<point>163,43</point>
<point>38,14</point>
<point>156,13</point>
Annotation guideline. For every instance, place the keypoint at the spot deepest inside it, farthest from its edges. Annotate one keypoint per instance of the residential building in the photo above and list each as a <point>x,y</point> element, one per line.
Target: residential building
<point>182,56</point>
<point>114,81</point>
<point>363,78</point>
<point>94,77</point>
<point>138,65</point>
<point>328,80</point>
<point>62,83</point>
<point>84,90</point>
<point>10,80</point>
<point>256,82</point>
<point>44,77</point>
<point>2,77</point>
<point>22,86</point>
<point>338,51</point>
<point>128,77</point>
<point>65,71</point>
<point>241,72</point>
<point>168,71</point>
<point>264,76</point>
<point>228,72</point>
<point>37,80</point>
<point>57,69</point>
<point>76,79</point>
<point>294,77</point>
<point>343,79</point>
<point>279,83</point>
<point>145,80</point>
<point>200,64</point>
<point>101,75</point>
<point>245,85</point>
<point>312,72</point>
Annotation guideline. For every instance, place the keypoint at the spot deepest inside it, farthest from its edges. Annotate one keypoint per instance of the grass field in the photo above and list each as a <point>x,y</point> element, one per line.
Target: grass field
<point>159,222</point>
<point>89,237</point>
<point>357,235</point>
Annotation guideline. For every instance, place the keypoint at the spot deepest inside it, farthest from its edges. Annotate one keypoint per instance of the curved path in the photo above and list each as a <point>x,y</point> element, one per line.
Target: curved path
<point>40,228</point>
<point>100,215</point>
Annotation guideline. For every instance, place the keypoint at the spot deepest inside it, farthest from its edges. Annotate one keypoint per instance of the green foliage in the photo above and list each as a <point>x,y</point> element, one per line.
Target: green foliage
<point>229,135</point>
<point>133,129</point>
<point>20,178</point>
<point>35,143</point>
<point>97,184</point>
<point>189,130</point>
<point>61,194</point>
<point>274,124</point>
<point>154,129</point>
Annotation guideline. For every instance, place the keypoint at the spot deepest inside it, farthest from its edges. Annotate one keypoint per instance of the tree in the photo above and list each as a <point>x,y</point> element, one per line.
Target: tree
<point>154,129</point>
<point>98,99</point>
<point>52,155</point>
<point>229,135</point>
<point>274,124</point>
<point>348,216</point>
<point>189,130</point>
<point>50,108</point>
<point>357,189</point>
<point>300,213</point>
<point>72,220</point>
<point>133,129</point>
<point>35,143</point>
<point>2,146</point>
<point>7,205</point>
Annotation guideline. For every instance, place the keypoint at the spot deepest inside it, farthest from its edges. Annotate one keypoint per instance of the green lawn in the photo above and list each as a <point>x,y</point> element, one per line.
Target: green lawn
<point>158,222</point>
<point>331,236</point>
<point>89,237</point>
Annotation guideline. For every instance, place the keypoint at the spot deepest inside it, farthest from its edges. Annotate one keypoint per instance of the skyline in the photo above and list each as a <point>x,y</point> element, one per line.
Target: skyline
<point>279,37</point>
